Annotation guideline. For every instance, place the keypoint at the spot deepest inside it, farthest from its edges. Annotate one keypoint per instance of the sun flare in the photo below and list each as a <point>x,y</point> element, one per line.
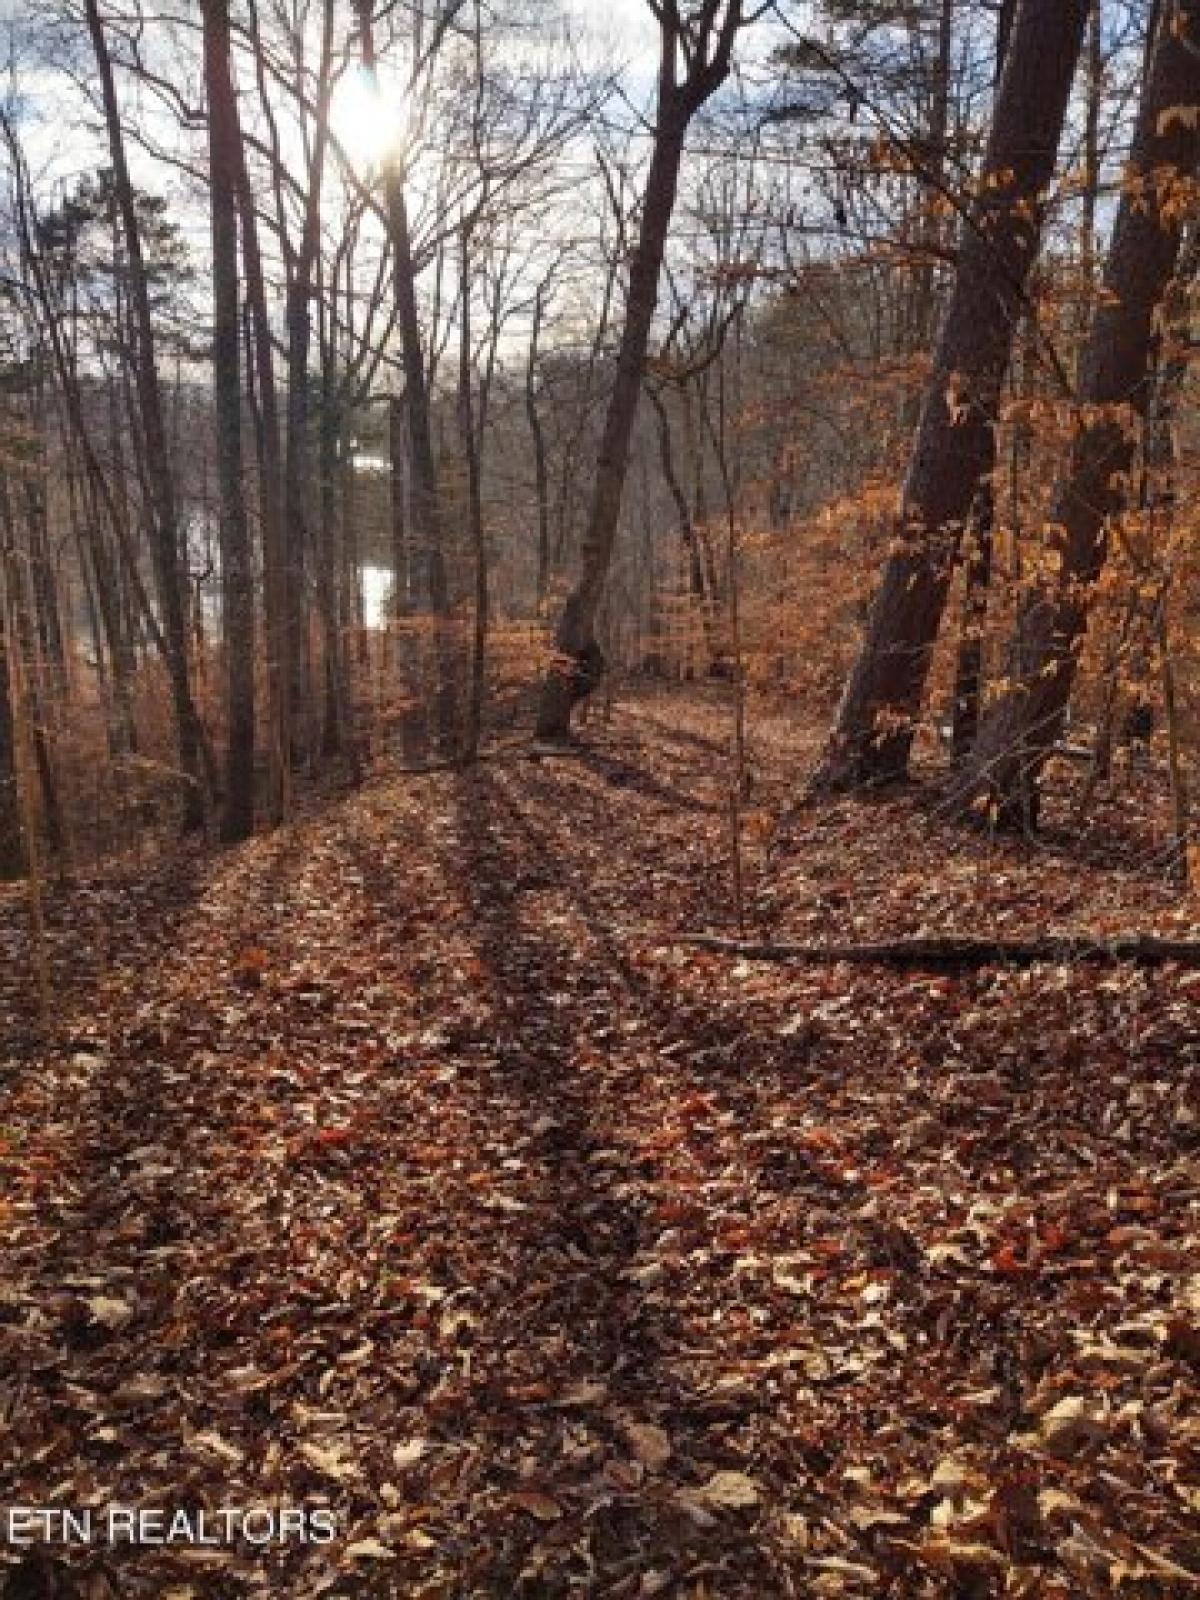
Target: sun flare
<point>368,118</point>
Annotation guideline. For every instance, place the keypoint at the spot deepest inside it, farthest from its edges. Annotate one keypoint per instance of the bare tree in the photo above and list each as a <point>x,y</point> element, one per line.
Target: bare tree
<point>166,548</point>
<point>425,533</point>
<point>696,45</point>
<point>260,371</point>
<point>237,566</point>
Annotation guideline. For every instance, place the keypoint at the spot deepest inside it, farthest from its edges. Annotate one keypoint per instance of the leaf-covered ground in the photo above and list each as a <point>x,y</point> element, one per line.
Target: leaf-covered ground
<point>401,1163</point>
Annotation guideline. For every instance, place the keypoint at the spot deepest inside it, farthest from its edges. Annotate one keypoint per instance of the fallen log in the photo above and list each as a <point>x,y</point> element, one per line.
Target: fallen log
<point>961,953</point>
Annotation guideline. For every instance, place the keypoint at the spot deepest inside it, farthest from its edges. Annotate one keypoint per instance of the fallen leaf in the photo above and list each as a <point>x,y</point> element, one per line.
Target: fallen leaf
<point>542,1506</point>
<point>368,1550</point>
<point>109,1312</point>
<point>1071,1424</point>
<point>732,1491</point>
<point>329,1460</point>
<point>650,1444</point>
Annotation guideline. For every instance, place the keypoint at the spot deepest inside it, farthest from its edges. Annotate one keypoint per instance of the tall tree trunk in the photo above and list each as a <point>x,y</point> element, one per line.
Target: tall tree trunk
<point>977,570</point>
<point>402,578</point>
<point>296,484</point>
<point>424,500</point>
<point>471,449</point>
<point>237,566</point>
<point>1016,735</point>
<point>579,662</point>
<point>12,849</point>
<point>352,607</point>
<point>43,568</point>
<point>537,434</point>
<point>875,724</point>
<point>261,385</point>
<point>98,569</point>
<point>166,544</point>
<point>922,312</point>
<point>1091,174</point>
<point>333,402</point>
<point>23,670</point>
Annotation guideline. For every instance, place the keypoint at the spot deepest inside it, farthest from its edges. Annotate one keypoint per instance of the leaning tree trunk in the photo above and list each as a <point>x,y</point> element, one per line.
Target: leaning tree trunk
<point>166,548</point>
<point>237,567</point>
<point>874,729</point>
<point>579,661</point>
<point>1015,737</point>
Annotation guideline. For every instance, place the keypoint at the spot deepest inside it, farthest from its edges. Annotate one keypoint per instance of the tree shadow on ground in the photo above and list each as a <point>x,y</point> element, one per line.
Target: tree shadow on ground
<point>563,1017</point>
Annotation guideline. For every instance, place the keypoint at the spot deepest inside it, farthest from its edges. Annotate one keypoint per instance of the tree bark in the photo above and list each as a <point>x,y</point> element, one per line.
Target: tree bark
<point>1019,731</point>
<point>874,729</point>
<point>237,566</point>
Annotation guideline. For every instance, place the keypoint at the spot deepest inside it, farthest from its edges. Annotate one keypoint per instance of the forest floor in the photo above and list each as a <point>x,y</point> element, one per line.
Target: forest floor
<point>404,1163</point>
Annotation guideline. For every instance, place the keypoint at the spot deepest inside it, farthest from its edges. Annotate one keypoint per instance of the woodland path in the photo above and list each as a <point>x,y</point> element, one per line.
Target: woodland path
<point>390,1164</point>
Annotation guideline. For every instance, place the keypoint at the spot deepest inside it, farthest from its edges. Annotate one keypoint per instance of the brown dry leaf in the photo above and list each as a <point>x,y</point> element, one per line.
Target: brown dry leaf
<point>649,1443</point>
<point>1071,1424</point>
<point>727,1491</point>
<point>210,1443</point>
<point>1058,1503</point>
<point>839,1567</point>
<point>542,1506</point>
<point>381,1201</point>
<point>329,1460</point>
<point>867,1518</point>
<point>368,1550</point>
<point>962,1556</point>
<point>108,1311</point>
